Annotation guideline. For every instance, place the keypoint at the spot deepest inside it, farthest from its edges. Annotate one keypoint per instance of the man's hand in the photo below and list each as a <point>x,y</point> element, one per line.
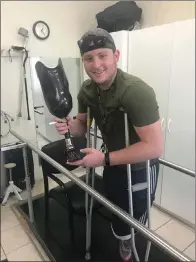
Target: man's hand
<point>93,158</point>
<point>62,125</point>
<point>77,126</point>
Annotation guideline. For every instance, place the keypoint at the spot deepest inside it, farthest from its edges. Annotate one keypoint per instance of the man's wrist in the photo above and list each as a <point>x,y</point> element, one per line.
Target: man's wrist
<point>107,159</point>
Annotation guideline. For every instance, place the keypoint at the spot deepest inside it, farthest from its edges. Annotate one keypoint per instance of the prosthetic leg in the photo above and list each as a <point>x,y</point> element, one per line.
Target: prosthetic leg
<point>55,88</point>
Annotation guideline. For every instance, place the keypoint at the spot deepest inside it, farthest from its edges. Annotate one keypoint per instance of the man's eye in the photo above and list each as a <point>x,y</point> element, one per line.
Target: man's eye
<point>102,56</point>
<point>89,59</point>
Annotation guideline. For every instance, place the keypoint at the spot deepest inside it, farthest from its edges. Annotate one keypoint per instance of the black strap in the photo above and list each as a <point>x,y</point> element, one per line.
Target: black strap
<point>107,159</point>
<point>103,121</point>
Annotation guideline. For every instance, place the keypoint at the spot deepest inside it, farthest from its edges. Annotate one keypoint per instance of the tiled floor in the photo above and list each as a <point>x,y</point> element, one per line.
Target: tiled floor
<point>16,245</point>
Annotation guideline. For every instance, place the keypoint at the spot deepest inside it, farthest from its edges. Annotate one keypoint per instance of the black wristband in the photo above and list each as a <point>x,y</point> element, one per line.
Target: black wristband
<point>107,159</point>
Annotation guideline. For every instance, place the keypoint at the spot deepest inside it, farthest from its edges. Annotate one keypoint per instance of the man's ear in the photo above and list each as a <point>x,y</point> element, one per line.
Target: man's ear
<point>117,54</point>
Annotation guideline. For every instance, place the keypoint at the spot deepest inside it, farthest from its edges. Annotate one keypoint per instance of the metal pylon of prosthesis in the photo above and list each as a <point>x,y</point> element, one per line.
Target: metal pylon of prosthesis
<point>88,199</point>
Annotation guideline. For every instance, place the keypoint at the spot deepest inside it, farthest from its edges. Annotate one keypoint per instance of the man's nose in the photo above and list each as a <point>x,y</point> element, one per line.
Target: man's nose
<point>96,62</point>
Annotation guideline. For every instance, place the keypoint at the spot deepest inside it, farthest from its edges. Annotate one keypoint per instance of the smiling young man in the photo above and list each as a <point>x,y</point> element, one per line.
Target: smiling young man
<point>106,93</point>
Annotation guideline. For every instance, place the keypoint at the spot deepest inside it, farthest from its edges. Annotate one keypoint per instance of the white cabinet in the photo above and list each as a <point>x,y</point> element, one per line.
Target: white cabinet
<point>164,57</point>
<point>150,59</point>
<point>121,42</point>
<point>178,190</point>
<point>180,138</point>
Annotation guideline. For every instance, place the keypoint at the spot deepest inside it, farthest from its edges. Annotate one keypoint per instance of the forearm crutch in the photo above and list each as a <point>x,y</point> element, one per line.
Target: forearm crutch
<point>148,206</point>
<point>130,190</point>
<point>87,207</point>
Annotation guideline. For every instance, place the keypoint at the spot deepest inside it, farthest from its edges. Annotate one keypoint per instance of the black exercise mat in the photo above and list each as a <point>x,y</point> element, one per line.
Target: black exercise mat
<point>104,246</point>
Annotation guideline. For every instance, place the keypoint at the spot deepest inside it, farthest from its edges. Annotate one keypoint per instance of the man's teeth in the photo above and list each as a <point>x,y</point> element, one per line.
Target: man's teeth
<point>99,72</point>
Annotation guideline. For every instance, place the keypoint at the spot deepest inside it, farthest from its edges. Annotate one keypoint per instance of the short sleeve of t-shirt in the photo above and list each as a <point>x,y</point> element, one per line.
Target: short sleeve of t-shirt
<point>139,102</point>
<point>82,107</point>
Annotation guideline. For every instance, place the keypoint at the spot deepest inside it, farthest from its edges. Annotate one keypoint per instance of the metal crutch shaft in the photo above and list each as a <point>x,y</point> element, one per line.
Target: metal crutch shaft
<point>148,206</point>
<point>91,200</point>
<point>93,174</point>
<point>88,218</point>
<point>130,190</point>
<point>28,184</point>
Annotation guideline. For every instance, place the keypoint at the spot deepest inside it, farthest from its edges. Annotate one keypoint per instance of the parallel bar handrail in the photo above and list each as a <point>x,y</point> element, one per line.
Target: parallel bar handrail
<point>178,168</point>
<point>149,234</point>
<point>167,163</point>
<point>13,146</point>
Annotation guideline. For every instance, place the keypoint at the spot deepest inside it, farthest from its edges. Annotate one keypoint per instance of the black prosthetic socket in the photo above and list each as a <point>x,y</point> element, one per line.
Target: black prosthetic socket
<point>55,88</point>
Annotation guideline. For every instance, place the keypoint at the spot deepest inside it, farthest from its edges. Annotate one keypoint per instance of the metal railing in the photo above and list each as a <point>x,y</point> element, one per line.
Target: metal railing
<point>166,163</point>
<point>149,234</point>
<point>178,168</point>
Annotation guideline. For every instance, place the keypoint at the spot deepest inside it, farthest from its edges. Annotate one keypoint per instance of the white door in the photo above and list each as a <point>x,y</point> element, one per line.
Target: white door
<point>178,192</point>
<point>149,59</point>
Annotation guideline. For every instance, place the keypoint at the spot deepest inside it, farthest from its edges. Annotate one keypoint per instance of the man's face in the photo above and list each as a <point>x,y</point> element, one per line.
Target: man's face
<point>101,64</point>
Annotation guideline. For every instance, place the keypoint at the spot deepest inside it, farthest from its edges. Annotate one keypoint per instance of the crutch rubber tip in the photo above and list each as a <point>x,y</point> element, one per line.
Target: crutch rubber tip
<point>88,256</point>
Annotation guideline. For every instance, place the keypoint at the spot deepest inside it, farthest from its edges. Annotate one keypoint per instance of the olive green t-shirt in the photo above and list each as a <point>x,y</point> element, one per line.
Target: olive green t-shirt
<point>128,94</point>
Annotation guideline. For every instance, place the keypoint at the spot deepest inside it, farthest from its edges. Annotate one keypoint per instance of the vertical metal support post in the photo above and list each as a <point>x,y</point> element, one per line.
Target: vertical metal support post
<point>28,184</point>
<point>148,206</point>
<point>130,190</point>
<point>88,218</point>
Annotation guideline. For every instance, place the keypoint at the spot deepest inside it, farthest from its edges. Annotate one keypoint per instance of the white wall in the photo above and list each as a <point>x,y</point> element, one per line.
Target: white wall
<point>67,20</point>
<point>162,12</point>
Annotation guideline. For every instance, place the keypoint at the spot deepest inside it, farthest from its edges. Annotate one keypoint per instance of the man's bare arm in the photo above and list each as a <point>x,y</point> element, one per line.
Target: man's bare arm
<point>150,147</point>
